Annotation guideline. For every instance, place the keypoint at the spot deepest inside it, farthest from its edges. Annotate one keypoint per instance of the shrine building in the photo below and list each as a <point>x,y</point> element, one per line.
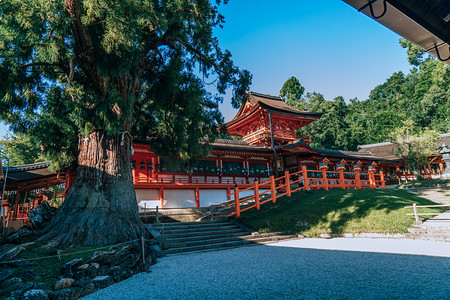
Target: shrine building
<point>269,146</point>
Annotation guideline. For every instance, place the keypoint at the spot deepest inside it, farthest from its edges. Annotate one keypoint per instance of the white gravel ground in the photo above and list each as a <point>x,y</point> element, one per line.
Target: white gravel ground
<point>343,268</point>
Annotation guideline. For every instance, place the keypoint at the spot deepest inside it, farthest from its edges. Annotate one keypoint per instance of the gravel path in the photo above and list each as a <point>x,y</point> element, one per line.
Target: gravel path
<point>298,269</point>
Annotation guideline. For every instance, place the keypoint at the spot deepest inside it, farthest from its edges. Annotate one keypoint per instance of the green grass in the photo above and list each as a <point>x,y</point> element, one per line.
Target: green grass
<point>426,183</point>
<point>46,263</point>
<point>337,211</point>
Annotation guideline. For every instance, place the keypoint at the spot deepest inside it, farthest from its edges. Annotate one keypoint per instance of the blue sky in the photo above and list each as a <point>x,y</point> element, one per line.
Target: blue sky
<point>329,46</point>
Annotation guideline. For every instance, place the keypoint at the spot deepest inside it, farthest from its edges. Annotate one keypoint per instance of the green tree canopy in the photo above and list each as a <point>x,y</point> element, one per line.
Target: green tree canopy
<point>292,92</point>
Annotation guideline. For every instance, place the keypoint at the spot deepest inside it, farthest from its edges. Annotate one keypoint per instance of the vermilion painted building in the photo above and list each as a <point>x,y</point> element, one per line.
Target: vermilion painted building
<point>269,145</point>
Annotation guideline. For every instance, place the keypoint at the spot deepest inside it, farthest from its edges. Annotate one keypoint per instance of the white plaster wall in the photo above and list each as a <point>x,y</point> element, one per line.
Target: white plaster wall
<point>212,196</point>
<point>179,198</point>
<point>148,198</point>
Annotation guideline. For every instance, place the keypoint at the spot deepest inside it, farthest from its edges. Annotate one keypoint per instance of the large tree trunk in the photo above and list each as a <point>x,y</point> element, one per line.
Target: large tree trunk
<point>100,208</point>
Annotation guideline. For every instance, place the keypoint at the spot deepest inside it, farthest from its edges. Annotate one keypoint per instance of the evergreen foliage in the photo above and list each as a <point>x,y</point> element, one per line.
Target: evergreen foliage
<point>69,68</point>
<point>422,96</point>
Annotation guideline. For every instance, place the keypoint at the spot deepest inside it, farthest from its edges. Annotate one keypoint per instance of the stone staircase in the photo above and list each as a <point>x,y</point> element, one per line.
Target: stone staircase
<point>182,237</point>
<point>437,228</point>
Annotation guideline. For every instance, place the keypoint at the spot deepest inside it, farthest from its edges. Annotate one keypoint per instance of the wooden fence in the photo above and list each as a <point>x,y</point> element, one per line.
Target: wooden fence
<point>302,180</point>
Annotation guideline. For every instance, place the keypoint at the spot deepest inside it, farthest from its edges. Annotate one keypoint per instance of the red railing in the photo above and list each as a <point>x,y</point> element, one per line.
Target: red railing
<point>170,180</point>
<point>302,180</point>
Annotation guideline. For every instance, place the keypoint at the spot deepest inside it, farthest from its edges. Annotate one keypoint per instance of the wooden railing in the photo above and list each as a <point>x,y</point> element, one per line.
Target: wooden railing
<point>166,180</point>
<point>302,180</point>
<point>416,214</point>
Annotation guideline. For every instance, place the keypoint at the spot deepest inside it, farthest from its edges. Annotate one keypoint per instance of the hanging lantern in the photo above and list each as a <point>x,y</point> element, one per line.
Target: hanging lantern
<point>142,165</point>
<point>150,165</point>
<point>133,164</point>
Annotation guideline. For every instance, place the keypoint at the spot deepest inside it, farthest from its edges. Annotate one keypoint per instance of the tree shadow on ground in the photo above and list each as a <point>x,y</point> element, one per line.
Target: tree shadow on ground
<point>337,211</point>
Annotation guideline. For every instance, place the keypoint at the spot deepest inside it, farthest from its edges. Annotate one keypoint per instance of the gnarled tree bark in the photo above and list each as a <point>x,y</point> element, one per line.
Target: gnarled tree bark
<point>100,208</point>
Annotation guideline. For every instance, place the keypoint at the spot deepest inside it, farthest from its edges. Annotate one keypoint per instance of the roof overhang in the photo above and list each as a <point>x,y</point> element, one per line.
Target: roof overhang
<point>426,23</point>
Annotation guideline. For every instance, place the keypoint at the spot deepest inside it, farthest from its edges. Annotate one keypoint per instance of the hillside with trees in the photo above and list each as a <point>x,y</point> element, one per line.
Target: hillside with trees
<point>421,97</point>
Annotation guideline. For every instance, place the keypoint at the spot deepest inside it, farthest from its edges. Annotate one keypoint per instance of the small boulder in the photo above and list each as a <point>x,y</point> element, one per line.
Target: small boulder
<point>67,268</point>
<point>64,283</point>
<point>34,294</point>
<point>96,265</point>
<point>24,287</point>
<point>66,294</point>
<point>101,282</point>
<point>91,271</point>
<point>86,285</point>
<point>83,267</point>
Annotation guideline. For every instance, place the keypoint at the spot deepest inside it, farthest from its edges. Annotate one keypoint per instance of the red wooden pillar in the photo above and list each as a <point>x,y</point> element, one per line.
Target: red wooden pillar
<point>236,201</point>
<point>161,196</point>
<point>287,181</point>
<point>305,178</point>
<point>357,179</point>
<point>197,197</point>
<point>325,179</point>
<point>256,193</point>
<point>383,182</point>
<point>272,189</point>
<point>341,178</point>
<point>372,179</point>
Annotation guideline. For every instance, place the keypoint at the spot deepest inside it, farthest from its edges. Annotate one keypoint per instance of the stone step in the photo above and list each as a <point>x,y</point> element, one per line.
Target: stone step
<point>179,225</point>
<point>192,243</point>
<point>201,233</point>
<point>199,229</point>
<point>215,246</point>
<point>243,241</point>
<point>218,234</point>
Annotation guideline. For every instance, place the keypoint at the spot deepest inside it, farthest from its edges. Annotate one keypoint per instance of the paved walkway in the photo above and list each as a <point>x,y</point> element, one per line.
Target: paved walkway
<point>298,269</point>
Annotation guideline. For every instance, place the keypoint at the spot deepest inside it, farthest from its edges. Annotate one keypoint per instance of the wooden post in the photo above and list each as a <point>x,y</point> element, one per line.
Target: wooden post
<point>357,179</point>
<point>342,179</point>
<point>145,210</point>
<point>16,204</point>
<point>228,193</point>
<point>372,179</point>
<point>256,191</point>
<point>383,182</point>
<point>287,182</point>
<point>272,189</point>
<point>415,212</point>
<point>161,196</point>
<point>236,201</point>
<point>197,197</point>
<point>157,214</point>
<point>143,252</point>
<point>305,178</point>
<point>325,179</point>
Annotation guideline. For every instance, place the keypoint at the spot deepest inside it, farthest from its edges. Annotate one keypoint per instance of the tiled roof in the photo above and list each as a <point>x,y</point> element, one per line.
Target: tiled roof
<point>225,144</point>
<point>277,104</point>
<point>352,154</point>
<point>26,172</point>
<point>386,149</point>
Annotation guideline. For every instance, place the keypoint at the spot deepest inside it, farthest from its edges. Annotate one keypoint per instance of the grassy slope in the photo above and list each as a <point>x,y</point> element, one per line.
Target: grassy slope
<point>426,183</point>
<point>337,211</point>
